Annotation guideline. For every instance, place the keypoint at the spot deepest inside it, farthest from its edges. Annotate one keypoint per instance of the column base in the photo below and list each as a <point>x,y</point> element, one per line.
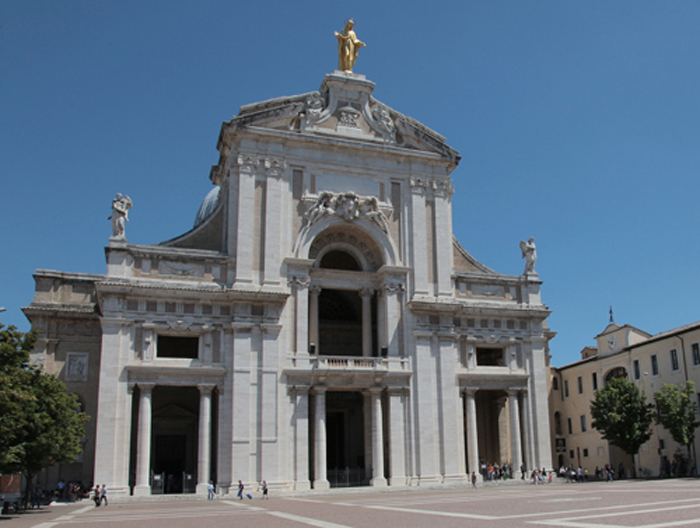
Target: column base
<point>201,489</point>
<point>455,478</point>
<point>143,490</point>
<point>436,479</point>
<point>322,484</point>
<point>398,481</point>
<point>302,485</point>
<point>378,482</point>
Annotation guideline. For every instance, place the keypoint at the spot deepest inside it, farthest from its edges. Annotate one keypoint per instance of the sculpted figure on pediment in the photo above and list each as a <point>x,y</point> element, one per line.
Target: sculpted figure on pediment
<point>370,209</point>
<point>346,206</point>
<point>313,107</point>
<point>349,206</point>
<point>383,118</point>
<point>321,208</point>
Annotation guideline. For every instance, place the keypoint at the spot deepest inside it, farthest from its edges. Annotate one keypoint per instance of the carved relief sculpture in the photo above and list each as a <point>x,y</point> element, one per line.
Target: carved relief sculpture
<point>349,206</point>
<point>348,47</point>
<point>312,109</point>
<point>383,118</point>
<point>120,214</point>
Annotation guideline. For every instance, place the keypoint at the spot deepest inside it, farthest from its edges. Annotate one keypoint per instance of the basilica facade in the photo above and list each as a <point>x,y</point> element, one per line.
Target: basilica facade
<point>319,326</point>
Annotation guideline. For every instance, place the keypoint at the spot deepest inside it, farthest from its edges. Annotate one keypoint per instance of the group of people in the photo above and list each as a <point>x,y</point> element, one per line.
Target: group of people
<point>608,472</point>
<point>493,471</point>
<point>573,474</point>
<point>540,476</point>
<point>579,474</point>
<point>211,489</point>
<point>100,495</point>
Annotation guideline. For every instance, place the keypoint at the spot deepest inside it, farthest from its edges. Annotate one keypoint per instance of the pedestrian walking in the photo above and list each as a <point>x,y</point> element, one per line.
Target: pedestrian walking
<point>241,487</point>
<point>264,490</point>
<point>103,495</point>
<point>473,480</point>
<point>210,490</point>
<point>97,497</point>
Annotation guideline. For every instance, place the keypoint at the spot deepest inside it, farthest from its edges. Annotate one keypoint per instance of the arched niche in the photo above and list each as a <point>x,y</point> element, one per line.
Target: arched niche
<point>363,240</point>
<point>337,246</point>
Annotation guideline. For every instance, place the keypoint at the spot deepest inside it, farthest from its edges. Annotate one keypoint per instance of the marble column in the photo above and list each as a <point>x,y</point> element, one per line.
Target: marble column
<point>367,431</point>
<point>320,476</point>
<point>301,440</point>
<point>314,292</point>
<point>204,455</point>
<point>243,242</point>
<point>143,454</point>
<point>273,221</point>
<point>515,443</point>
<point>377,439</point>
<point>366,296</point>
<point>391,293</point>
<point>472,433</point>
<point>528,458</point>
<point>300,285</point>
<point>442,193</point>
<point>397,437</point>
<point>419,256</point>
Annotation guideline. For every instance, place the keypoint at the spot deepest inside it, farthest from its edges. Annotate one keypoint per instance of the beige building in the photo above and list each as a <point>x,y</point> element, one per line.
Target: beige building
<point>671,357</point>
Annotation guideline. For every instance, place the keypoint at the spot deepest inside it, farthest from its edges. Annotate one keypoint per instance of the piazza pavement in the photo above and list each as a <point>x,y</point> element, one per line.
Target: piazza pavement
<point>641,503</point>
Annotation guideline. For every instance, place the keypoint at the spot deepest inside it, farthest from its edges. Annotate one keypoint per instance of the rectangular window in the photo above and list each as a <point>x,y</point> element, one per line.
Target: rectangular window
<point>580,385</point>
<point>662,443</point>
<point>594,379</point>
<point>555,384</point>
<point>585,453</point>
<point>489,357</point>
<point>571,453</point>
<point>695,347</point>
<point>178,347</point>
<point>654,365</point>
<point>674,359</point>
<point>635,366</point>
<point>569,426</point>
<point>566,388</point>
<point>583,423</point>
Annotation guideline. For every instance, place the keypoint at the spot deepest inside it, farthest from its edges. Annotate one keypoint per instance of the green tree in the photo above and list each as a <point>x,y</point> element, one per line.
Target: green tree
<point>622,415</point>
<point>676,408</point>
<point>40,423</point>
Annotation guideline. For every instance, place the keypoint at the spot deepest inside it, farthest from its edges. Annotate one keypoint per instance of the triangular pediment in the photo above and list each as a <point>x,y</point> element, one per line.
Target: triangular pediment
<point>343,108</point>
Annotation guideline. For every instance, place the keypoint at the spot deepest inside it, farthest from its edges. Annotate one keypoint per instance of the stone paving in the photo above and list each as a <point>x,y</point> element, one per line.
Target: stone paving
<point>649,504</point>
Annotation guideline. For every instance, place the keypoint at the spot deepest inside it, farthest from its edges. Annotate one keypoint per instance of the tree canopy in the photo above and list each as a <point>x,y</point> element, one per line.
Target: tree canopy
<point>40,422</point>
<point>622,415</point>
<point>676,408</point>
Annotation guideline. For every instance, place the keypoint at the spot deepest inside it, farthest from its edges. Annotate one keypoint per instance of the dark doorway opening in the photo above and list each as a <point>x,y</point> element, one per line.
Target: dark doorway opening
<point>175,437</point>
<point>346,446</point>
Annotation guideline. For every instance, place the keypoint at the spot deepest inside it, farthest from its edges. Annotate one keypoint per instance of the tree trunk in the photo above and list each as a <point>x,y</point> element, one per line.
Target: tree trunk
<point>24,500</point>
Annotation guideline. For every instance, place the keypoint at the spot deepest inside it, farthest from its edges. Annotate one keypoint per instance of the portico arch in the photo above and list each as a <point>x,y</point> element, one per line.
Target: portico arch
<point>366,235</point>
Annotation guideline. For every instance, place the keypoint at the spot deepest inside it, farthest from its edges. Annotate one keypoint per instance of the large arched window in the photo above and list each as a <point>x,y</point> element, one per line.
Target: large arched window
<point>339,260</point>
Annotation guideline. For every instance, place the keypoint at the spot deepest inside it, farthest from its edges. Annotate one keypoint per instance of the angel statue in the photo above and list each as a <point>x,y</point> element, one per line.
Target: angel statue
<point>529,251</point>
<point>120,214</point>
<point>348,46</point>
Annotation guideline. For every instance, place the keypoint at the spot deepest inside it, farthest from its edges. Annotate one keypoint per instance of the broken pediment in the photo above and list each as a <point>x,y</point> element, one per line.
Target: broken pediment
<point>343,108</point>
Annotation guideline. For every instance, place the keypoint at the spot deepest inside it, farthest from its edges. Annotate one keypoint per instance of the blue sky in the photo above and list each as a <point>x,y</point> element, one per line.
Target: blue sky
<point>578,123</point>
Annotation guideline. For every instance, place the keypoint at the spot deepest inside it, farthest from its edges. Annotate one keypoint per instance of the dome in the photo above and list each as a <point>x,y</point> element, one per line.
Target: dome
<point>211,200</point>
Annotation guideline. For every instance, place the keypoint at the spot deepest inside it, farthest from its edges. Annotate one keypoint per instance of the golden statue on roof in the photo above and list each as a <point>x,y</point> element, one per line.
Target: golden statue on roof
<point>348,46</point>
